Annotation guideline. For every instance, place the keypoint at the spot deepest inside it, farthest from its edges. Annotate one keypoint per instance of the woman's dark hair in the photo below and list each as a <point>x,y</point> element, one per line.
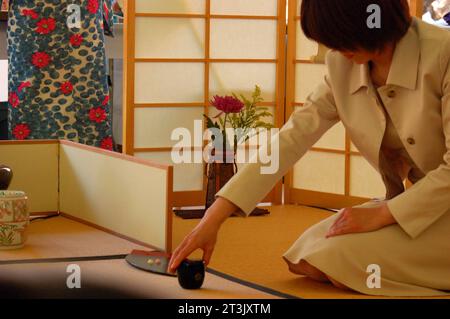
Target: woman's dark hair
<point>343,24</point>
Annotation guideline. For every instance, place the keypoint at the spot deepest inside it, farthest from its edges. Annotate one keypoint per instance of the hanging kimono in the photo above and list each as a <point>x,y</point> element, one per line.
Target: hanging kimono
<point>58,86</point>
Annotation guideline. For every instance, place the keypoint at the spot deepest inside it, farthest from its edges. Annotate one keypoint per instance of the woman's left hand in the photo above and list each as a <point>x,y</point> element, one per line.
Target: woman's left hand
<point>361,220</point>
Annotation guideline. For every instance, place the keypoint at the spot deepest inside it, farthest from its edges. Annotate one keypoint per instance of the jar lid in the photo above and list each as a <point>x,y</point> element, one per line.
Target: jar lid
<point>12,194</point>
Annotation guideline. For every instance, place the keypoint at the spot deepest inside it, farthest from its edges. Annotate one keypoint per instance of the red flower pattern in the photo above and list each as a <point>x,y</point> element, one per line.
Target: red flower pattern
<point>14,99</point>
<point>107,143</point>
<point>66,87</point>
<point>30,13</point>
<point>23,85</point>
<point>105,100</point>
<point>21,131</point>
<point>76,40</point>
<point>41,59</point>
<point>97,115</point>
<point>92,6</point>
<point>46,26</point>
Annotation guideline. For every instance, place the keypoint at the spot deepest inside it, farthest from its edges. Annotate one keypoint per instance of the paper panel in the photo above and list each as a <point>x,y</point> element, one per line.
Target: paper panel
<point>170,6</point>
<point>170,38</point>
<point>35,171</point>
<point>322,172</point>
<point>121,195</point>
<point>365,181</point>
<point>186,176</point>
<point>257,39</point>
<point>241,78</point>
<point>169,82</point>
<point>154,126</point>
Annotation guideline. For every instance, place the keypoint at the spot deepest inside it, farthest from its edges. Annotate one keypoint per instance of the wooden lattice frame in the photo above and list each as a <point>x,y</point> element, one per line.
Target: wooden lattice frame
<point>188,198</point>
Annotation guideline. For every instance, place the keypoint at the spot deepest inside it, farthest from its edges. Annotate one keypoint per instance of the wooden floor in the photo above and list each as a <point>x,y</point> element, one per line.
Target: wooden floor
<point>251,249</point>
<point>247,262</point>
<point>39,270</point>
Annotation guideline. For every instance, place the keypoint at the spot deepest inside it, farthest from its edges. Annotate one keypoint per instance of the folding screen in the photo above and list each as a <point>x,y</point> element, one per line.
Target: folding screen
<point>122,194</point>
<point>35,171</point>
<point>179,54</point>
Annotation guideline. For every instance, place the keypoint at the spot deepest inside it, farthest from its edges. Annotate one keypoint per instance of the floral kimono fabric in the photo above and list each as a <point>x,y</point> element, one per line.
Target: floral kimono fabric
<point>58,86</point>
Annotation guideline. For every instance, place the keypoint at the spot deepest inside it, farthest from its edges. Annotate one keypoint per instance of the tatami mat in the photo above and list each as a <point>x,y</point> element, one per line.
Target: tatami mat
<point>111,279</point>
<point>60,237</point>
<point>251,249</point>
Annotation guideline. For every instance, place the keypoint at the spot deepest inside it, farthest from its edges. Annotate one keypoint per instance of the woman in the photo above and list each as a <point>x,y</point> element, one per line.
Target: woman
<point>390,86</point>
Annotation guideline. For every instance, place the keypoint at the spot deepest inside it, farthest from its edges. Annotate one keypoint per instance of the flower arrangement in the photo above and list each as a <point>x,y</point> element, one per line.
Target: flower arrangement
<point>240,115</point>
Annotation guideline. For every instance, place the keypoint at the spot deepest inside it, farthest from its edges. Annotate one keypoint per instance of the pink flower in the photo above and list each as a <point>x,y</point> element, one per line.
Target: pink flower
<point>227,104</point>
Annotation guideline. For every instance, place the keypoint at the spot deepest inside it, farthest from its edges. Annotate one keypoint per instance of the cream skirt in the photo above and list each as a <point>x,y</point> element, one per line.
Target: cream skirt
<point>408,267</point>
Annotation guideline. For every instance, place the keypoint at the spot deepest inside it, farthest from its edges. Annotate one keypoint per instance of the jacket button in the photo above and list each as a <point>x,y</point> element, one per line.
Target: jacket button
<point>391,94</point>
<point>411,141</point>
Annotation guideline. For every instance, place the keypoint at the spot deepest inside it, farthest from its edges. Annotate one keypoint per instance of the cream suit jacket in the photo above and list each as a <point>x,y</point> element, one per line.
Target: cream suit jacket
<point>417,98</point>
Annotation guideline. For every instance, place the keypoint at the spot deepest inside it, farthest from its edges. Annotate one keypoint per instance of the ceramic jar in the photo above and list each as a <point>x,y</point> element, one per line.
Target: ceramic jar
<point>14,219</point>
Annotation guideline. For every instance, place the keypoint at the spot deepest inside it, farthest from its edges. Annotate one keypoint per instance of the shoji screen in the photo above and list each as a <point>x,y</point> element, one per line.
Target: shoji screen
<point>332,174</point>
<point>182,52</point>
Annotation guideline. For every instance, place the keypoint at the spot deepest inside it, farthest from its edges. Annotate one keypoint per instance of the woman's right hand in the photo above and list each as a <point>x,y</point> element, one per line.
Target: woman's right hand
<point>204,235</point>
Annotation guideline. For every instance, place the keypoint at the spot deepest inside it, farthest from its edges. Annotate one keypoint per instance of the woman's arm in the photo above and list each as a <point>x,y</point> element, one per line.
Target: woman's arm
<point>361,220</point>
<point>305,127</point>
<point>204,236</point>
<point>243,192</point>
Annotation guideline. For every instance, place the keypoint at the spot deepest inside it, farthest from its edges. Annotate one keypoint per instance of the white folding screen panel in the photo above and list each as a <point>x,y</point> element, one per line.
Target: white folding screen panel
<point>244,7</point>
<point>365,181</point>
<point>164,121</point>
<point>3,80</point>
<point>241,78</point>
<point>172,6</point>
<point>321,172</point>
<point>169,82</point>
<point>186,176</point>
<point>170,37</point>
<point>118,193</point>
<point>257,39</point>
